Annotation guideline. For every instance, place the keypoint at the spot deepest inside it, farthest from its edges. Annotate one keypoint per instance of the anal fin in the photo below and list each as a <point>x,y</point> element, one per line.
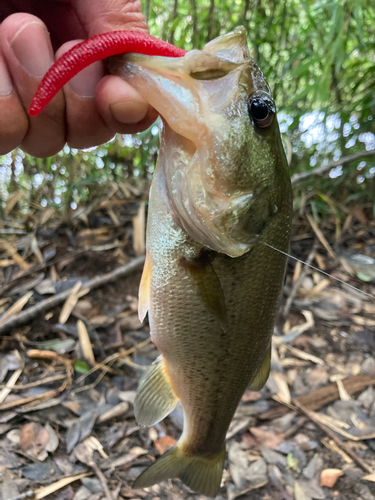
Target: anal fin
<point>155,398</point>
<point>262,374</point>
<point>144,289</point>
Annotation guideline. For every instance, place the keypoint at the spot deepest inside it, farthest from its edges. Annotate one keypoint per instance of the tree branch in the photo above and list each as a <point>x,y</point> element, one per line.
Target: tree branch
<point>25,316</point>
<point>321,170</point>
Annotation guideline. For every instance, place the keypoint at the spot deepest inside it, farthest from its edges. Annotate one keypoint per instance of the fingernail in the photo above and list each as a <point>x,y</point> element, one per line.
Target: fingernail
<point>129,111</point>
<point>31,47</point>
<point>6,86</point>
<point>84,84</point>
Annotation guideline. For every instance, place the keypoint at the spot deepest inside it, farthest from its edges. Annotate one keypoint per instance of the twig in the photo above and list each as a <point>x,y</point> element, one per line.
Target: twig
<point>111,359</point>
<point>25,316</point>
<point>295,428</point>
<point>321,170</point>
<point>323,396</point>
<point>44,491</point>
<point>299,282</point>
<point>31,399</point>
<point>13,379</point>
<point>102,479</point>
<point>39,267</point>
<point>46,380</point>
<point>320,236</point>
<point>349,451</point>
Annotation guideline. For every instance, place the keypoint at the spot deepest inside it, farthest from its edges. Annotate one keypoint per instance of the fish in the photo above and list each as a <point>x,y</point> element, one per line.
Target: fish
<point>220,205</point>
<point>211,286</point>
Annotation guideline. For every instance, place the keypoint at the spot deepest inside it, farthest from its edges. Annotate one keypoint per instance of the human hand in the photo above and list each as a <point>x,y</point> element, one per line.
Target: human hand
<point>92,107</point>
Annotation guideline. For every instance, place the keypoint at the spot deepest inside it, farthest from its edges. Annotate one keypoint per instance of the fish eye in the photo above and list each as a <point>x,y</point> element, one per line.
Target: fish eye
<point>261,110</point>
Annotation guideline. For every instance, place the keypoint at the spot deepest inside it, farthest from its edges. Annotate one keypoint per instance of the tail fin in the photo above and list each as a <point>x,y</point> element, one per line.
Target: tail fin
<point>201,474</point>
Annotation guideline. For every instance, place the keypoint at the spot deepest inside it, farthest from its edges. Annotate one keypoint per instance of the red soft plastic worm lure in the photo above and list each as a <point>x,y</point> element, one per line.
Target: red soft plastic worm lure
<point>92,50</point>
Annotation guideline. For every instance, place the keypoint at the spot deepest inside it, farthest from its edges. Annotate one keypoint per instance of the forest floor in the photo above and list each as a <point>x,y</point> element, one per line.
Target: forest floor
<point>71,353</point>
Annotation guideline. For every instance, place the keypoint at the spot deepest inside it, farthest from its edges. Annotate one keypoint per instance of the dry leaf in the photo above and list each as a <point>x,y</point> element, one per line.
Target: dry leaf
<point>114,412</point>
<point>48,490</point>
<point>12,380</point>
<point>6,263</point>
<point>15,198</point>
<point>8,487</point>
<point>268,438</point>
<point>328,477</point>
<point>70,303</point>
<point>369,477</point>
<point>17,306</point>
<point>164,443</point>
<point>33,438</point>
<point>53,441</point>
<point>299,494</point>
<point>320,236</point>
<point>284,394</point>
<point>85,343</point>
<point>251,396</point>
<point>12,252</point>
<point>306,356</point>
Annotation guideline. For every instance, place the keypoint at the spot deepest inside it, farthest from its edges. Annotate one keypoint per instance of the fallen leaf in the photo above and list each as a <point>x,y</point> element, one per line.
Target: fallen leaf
<point>8,488</point>
<point>17,306</point>
<point>369,477</point>
<point>48,490</point>
<point>164,443</point>
<point>53,441</point>
<point>268,438</point>
<point>85,343</point>
<point>33,438</point>
<point>328,477</point>
<point>251,396</point>
<point>299,493</point>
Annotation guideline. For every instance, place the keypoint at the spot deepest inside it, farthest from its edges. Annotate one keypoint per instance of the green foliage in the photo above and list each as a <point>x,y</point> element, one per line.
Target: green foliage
<point>318,57</point>
<point>81,367</point>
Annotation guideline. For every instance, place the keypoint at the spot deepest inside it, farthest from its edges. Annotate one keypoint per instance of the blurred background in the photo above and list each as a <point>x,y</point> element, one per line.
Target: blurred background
<point>319,60</point>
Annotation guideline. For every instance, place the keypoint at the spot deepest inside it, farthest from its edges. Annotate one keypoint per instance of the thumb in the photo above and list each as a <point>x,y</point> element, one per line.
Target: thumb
<point>101,16</point>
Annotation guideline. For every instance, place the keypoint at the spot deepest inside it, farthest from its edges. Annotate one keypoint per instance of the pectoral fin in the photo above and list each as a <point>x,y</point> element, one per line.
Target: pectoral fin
<point>209,288</point>
<point>263,373</point>
<point>144,289</point>
<point>155,398</point>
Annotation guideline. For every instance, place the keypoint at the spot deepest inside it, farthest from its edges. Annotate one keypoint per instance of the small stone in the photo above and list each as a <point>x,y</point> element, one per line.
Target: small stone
<point>92,484</point>
<point>317,377</point>
<point>353,472</point>
<point>272,457</point>
<point>364,492</point>
<point>315,464</point>
<point>313,489</point>
<point>285,422</point>
<point>275,477</point>
<point>367,398</point>
<point>368,366</point>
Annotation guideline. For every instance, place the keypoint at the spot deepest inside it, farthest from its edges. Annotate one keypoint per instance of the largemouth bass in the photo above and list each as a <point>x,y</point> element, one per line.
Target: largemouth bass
<point>210,285</point>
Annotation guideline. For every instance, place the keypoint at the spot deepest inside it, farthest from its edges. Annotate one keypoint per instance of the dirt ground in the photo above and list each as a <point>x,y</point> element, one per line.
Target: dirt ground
<point>69,371</point>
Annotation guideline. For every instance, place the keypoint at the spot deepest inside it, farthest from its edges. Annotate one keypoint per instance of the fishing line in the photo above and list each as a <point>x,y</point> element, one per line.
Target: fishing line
<point>320,271</point>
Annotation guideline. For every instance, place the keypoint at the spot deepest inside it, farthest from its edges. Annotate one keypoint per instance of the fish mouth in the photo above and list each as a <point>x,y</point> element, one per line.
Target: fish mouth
<point>181,89</point>
<point>190,93</point>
